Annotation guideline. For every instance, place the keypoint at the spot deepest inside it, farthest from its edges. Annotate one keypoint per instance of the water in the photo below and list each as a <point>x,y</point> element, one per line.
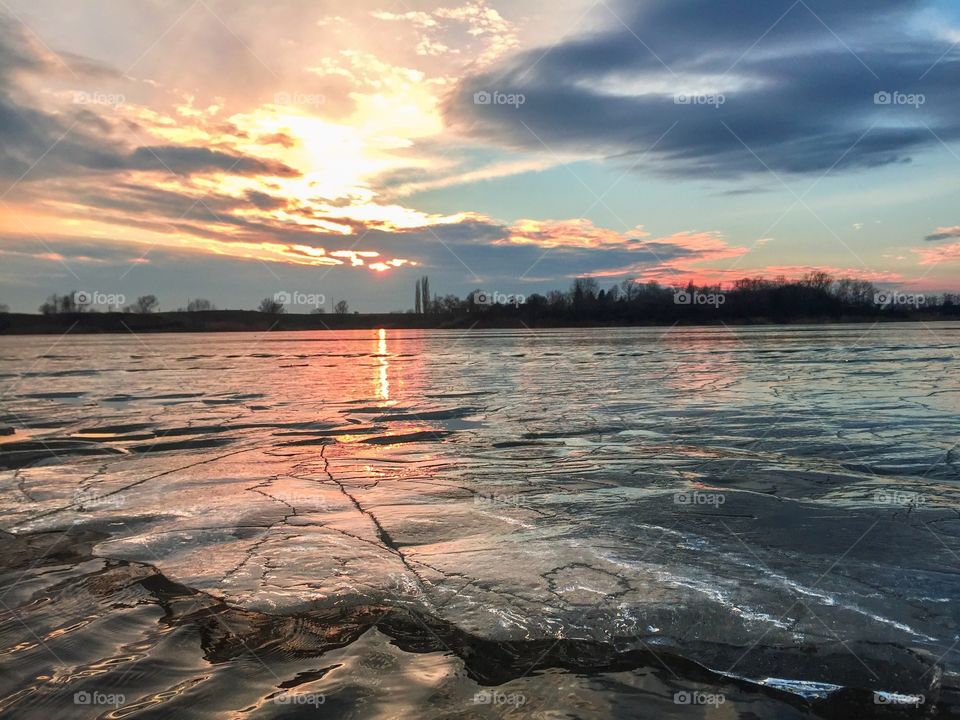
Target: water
<point>755,522</point>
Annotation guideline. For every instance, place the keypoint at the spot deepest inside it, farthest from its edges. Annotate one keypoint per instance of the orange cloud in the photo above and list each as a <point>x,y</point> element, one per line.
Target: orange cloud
<point>580,233</point>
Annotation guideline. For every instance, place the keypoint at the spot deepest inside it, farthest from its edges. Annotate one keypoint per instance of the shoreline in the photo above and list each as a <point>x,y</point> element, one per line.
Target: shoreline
<point>253,321</point>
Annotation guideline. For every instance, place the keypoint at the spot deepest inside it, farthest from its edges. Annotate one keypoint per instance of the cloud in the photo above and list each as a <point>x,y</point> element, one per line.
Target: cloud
<point>70,139</point>
<point>679,255</point>
<point>944,233</point>
<point>936,256</point>
<point>187,160</point>
<point>607,253</point>
<point>448,30</point>
<point>797,82</point>
<point>580,233</point>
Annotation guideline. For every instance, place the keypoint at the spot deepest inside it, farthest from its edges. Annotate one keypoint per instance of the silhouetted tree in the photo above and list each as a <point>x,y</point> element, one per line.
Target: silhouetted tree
<point>145,304</point>
<point>271,306</point>
<point>583,291</point>
<point>341,308</point>
<point>66,303</point>
<point>448,305</point>
<point>200,305</point>
<point>556,299</point>
<point>854,292</point>
<point>630,289</point>
<point>818,280</point>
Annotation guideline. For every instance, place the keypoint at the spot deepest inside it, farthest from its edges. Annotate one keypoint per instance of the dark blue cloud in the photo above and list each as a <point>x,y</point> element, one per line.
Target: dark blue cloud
<point>799,82</point>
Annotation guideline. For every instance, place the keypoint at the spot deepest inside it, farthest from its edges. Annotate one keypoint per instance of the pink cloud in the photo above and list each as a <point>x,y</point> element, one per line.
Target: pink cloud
<point>942,254</point>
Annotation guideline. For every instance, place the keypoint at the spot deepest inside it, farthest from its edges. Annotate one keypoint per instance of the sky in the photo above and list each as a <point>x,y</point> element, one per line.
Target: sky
<point>212,149</point>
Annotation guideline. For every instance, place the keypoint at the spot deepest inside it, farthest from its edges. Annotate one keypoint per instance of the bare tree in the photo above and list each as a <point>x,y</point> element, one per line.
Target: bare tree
<point>271,306</point>
<point>200,305</point>
<point>341,308</point>
<point>146,304</point>
<point>61,304</point>
<point>818,280</point>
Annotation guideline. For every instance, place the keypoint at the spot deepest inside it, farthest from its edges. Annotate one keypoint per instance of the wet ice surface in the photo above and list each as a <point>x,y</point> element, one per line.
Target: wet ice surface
<point>593,523</point>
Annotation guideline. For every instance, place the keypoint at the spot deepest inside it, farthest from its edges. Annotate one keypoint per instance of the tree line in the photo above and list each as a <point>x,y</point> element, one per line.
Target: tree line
<point>816,295</point>
<point>78,302</point>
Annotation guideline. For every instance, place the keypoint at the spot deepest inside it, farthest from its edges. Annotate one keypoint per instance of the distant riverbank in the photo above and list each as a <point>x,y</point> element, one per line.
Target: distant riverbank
<point>252,321</point>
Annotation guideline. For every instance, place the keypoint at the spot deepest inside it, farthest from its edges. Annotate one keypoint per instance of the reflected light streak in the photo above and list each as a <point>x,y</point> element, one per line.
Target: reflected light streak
<point>381,382</point>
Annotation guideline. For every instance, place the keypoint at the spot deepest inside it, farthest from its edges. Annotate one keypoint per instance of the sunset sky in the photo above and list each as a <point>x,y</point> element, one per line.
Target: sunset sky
<point>226,150</point>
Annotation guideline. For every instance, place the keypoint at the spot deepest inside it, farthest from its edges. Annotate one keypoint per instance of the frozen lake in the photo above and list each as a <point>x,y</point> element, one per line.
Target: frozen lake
<point>585,523</point>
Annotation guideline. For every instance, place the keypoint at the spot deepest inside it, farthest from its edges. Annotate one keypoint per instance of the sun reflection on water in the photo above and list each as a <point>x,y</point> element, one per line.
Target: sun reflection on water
<point>381,382</point>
